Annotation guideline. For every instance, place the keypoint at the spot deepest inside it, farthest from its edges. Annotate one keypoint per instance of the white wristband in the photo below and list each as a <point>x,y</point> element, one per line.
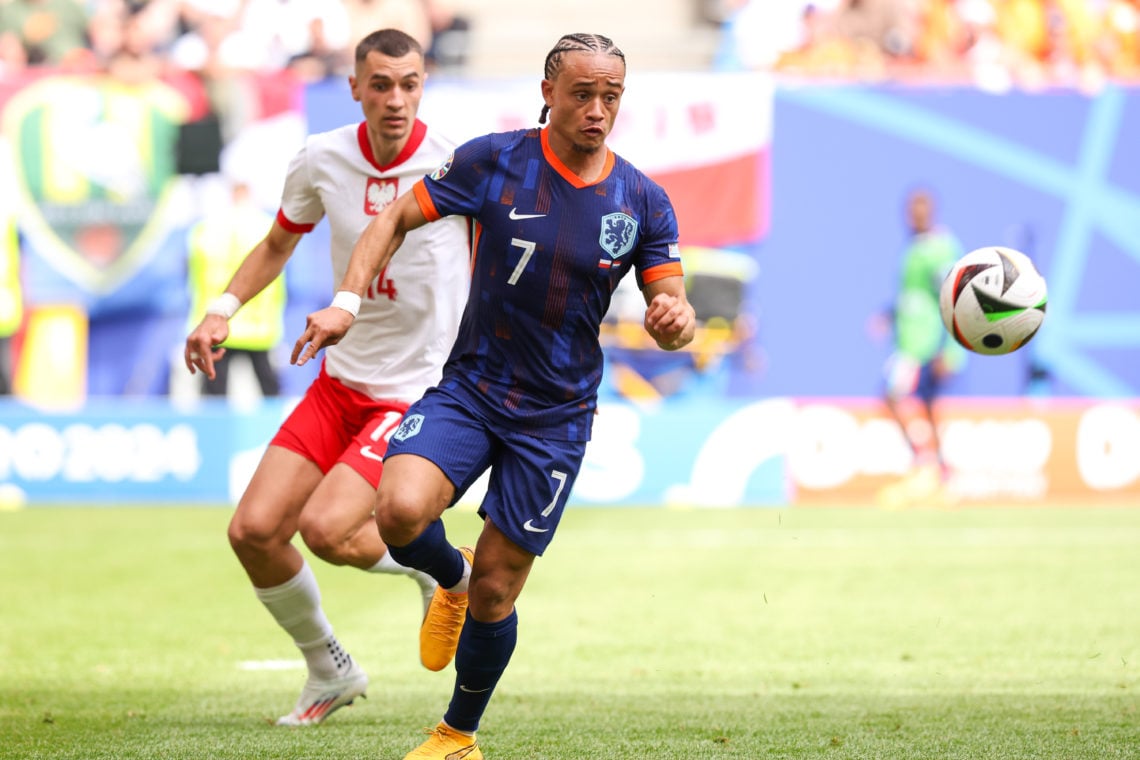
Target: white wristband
<point>347,300</point>
<point>225,305</point>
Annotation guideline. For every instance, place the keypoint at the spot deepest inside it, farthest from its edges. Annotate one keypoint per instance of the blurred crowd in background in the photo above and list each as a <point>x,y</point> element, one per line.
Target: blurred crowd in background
<point>995,44</point>
<point>218,40</point>
<point>316,37</point>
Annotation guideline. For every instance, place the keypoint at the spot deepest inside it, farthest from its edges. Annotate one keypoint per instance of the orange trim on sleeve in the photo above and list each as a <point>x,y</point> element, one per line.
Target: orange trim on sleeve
<point>423,198</point>
<point>661,271</point>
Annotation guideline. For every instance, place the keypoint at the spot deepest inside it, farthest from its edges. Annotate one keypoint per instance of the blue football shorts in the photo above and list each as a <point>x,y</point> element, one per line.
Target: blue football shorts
<point>531,477</point>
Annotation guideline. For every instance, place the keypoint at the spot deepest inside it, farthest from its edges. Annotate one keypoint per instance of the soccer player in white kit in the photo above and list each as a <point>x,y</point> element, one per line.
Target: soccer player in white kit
<point>319,474</point>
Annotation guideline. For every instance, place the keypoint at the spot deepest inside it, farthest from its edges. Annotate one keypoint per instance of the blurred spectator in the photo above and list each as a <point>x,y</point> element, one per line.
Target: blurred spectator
<point>312,37</point>
<point>835,47</point>
<point>450,40</point>
<point>1118,45</point>
<point>409,16</point>
<point>757,33</point>
<point>11,298</point>
<point>51,32</point>
<point>217,245</point>
<point>996,44</point>
<point>887,26</point>
<point>220,38</point>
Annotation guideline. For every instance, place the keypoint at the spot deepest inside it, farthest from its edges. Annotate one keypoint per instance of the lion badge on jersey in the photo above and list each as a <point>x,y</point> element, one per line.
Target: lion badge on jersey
<point>618,234</point>
<point>409,427</point>
<point>378,194</point>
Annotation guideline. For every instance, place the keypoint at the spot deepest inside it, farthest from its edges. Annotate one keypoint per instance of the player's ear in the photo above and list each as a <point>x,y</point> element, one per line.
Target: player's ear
<point>548,92</point>
<point>352,87</point>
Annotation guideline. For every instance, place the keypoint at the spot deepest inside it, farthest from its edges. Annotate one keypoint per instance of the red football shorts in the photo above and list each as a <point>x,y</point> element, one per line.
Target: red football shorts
<point>334,423</point>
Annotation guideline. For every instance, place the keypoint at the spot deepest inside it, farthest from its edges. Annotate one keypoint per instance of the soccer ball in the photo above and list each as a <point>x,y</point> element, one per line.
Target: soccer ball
<point>993,300</point>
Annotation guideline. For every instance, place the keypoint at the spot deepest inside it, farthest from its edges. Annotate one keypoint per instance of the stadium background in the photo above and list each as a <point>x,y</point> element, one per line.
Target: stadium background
<point>789,194</point>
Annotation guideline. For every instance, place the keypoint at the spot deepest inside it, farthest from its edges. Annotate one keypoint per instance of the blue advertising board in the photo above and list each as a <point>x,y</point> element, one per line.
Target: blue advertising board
<point>152,452</point>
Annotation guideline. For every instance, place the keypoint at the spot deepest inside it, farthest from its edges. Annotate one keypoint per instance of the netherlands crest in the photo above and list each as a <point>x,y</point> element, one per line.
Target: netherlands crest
<point>409,427</point>
<point>618,234</point>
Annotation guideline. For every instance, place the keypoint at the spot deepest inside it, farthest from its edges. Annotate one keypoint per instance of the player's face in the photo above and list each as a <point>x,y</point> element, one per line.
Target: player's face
<point>584,98</point>
<point>389,92</point>
<point>920,213</point>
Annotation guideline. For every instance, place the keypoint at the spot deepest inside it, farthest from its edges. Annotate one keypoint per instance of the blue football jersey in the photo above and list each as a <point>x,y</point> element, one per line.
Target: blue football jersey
<point>548,251</point>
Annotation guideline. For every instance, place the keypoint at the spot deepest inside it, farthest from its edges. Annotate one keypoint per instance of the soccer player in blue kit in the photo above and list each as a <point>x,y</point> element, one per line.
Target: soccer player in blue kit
<point>558,220</point>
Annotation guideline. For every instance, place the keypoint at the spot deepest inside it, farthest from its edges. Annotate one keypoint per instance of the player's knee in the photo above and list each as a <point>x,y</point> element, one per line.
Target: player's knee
<point>491,598</point>
<point>242,538</point>
<point>322,539</point>
<point>399,517</point>
<point>251,535</point>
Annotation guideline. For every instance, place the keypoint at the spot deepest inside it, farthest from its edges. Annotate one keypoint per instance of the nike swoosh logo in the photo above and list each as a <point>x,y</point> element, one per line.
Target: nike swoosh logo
<point>532,529</point>
<point>367,451</point>
<point>473,691</point>
<point>515,215</point>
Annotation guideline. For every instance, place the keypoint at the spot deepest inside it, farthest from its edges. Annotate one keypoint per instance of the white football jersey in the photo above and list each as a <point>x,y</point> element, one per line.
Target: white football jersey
<point>410,314</point>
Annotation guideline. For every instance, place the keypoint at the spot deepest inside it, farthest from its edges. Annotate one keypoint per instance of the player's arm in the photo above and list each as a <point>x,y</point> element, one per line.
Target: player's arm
<point>372,252</point>
<point>261,266</point>
<point>669,317</point>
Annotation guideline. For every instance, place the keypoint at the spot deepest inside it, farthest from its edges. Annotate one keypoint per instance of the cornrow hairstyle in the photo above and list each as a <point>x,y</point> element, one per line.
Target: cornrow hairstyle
<point>390,42</point>
<point>575,43</point>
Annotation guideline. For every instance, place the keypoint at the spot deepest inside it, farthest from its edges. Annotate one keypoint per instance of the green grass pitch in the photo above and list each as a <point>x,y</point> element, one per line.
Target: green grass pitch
<point>643,634</point>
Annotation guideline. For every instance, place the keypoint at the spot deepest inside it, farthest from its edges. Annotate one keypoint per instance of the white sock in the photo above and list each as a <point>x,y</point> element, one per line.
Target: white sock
<point>390,566</point>
<point>296,606</point>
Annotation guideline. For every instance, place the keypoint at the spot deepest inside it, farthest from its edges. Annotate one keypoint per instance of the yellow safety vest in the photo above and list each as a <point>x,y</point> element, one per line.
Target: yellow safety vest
<point>217,246</point>
<point>11,292</point>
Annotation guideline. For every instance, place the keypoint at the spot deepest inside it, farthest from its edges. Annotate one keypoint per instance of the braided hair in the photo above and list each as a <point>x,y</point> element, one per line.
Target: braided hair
<point>575,43</point>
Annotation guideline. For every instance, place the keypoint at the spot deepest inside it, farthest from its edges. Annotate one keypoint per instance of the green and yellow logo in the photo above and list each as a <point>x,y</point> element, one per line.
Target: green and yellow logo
<point>94,158</point>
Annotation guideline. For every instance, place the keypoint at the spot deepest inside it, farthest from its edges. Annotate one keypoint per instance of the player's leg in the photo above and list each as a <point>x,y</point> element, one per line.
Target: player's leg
<point>339,526</point>
<point>265,521</point>
<point>485,645</point>
<point>491,629</point>
<point>261,532</point>
<point>530,484</point>
<point>929,390</point>
<point>437,452</point>
<point>901,383</point>
<point>527,493</point>
<point>412,496</point>
<point>338,523</point>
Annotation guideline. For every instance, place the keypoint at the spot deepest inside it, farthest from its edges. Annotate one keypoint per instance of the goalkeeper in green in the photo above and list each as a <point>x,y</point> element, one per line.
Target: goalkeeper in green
<point>924,355</point>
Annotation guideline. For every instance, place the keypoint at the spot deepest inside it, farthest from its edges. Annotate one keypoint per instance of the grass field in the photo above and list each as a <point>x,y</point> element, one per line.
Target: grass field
<point>643,634</point>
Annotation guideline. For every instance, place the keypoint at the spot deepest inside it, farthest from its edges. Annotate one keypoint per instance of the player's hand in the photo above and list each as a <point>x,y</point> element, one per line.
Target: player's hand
<point>670,321</point>
<point>202,345</point>
<point>322,328</point>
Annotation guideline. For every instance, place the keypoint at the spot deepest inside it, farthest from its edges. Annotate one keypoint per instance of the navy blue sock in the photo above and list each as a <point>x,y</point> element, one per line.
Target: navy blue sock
<point>483,653</point>
<point>431,553</point>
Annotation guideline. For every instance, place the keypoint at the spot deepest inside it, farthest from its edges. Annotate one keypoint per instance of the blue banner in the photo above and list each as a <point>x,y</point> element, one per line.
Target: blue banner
<point>151,452</point>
